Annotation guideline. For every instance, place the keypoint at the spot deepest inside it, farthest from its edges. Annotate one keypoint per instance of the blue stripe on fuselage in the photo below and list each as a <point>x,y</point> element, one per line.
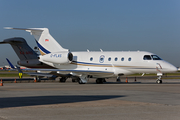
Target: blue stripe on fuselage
<point>89,63</point>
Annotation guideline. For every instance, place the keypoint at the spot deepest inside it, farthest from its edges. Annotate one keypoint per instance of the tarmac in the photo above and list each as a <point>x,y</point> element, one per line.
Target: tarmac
<point>140,100</point>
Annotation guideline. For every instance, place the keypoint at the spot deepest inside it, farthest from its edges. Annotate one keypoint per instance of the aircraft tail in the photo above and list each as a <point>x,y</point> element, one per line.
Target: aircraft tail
<point>22,49</point>
<point>45,41</point>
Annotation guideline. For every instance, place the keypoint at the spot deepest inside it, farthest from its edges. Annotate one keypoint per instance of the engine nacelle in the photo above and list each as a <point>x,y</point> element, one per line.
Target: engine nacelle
<point>30,62</point>
<point>58,57</point>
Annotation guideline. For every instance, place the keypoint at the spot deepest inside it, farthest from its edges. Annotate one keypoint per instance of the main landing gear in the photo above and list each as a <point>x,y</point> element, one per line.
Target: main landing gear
<point>63,79</point>
<point>118,79</point>
<point>100,80</point>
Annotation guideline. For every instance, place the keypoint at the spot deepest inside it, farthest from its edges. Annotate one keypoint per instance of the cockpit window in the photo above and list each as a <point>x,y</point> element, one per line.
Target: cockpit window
<point>147,57</point>
<point>155,57</point>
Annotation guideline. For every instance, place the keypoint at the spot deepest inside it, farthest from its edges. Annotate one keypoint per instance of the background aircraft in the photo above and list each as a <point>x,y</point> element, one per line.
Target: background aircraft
<point>29,58</point>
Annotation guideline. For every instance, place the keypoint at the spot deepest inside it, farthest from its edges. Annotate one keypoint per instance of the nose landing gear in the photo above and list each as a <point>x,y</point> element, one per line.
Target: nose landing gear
<point>159,79</point>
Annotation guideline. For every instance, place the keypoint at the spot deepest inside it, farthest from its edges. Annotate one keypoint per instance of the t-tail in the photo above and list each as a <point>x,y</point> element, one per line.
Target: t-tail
<point>22,49</point>
<point>45,41</point>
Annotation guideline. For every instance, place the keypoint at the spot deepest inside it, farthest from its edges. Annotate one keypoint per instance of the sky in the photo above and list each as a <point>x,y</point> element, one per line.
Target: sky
<point>110,25</point>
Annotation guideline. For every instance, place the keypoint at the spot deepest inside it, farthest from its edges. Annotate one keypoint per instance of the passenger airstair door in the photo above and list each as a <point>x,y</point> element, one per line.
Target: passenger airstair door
<point>158,67</point>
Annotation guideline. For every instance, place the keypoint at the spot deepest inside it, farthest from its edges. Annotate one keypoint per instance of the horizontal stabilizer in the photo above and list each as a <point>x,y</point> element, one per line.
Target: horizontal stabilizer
<point>45,41</point>
<point>26,29</point>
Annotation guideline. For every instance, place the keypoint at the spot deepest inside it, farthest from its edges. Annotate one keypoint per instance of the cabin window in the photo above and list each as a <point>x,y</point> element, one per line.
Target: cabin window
<point>155,57</point>
<point>122,59</point>
<point>116,59</point>
<point>91,59</point>
<point>101,59</point>
<point>109,59</point>
<point>147,57</point>
<point>129,59</point>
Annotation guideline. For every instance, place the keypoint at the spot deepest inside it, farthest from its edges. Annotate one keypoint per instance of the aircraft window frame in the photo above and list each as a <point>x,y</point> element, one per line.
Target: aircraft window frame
<point>146,57</point>
<point>122,59</point>
<point>115,59</point>
<point>102,58</point>
<point>109,59</point>
<point>91,59</point>
<point>157,57</point>
<point>129,59</point>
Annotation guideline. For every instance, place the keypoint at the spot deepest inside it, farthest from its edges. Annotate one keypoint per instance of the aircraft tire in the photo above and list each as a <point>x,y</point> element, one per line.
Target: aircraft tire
<point>159,81</point>
<point>74,80</point>
<point>100,80</point>
<point>63,79</point>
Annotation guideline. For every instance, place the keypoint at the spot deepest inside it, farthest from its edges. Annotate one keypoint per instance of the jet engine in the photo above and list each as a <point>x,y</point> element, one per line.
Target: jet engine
<point>30,63</point>
<point>58,57</point>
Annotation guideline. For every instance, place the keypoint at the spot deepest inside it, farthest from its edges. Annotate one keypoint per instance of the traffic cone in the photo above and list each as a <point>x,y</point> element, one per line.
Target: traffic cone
<point>35,80</point>
<point>126,80</point>
<point>1,82</point>
<point>15,81</point>
<point>135,79</point>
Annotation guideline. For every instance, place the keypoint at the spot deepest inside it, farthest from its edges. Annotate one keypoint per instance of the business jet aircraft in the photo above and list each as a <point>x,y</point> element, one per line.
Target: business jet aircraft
<point>100,65</point>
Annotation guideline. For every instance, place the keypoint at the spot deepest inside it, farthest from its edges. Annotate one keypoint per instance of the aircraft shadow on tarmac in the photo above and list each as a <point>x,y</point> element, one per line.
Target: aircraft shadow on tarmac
<point>49,100</point>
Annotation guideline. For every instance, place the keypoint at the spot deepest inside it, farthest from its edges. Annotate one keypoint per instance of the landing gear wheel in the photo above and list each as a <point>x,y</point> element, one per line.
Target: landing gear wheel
<point>63,79</point>
<point>74,80</point>
<point>100,80</point>
<point>159,81</point>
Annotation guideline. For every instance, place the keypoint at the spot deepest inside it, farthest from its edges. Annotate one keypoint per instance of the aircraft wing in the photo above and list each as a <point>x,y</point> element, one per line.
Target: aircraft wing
<point>39,74</point>
<point>30,73</point>
<point>76,72</point>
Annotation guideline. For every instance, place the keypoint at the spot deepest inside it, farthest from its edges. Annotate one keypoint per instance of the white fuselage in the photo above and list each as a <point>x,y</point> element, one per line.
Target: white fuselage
<point>111,64</point>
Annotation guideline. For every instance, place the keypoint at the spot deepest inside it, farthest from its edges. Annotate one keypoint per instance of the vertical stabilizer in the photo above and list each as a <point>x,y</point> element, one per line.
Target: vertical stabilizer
<point>22,49</point>
<point>10,64</point>
<point>45,41</point>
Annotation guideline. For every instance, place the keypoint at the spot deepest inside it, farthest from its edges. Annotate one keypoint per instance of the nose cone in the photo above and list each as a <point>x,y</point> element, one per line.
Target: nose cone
<point>169,67</point>
<point>173,68</point>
